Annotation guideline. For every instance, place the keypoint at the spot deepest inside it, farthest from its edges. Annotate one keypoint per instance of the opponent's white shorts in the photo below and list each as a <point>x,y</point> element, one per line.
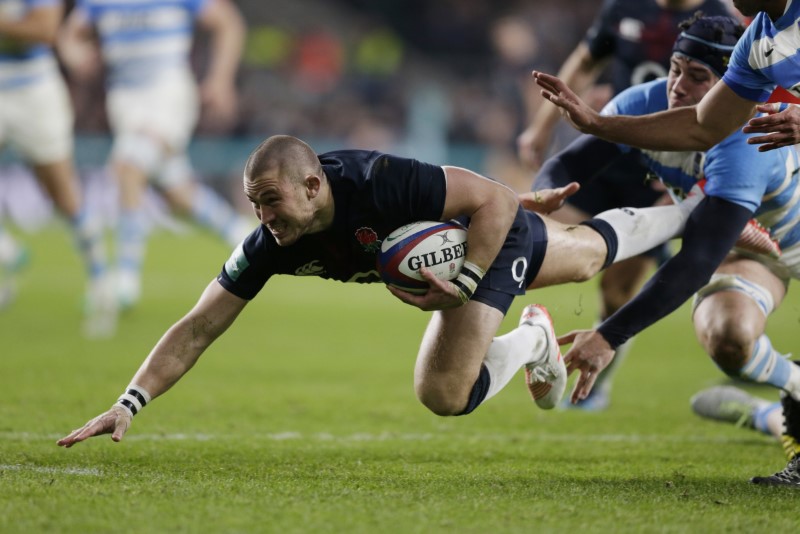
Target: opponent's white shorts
<point>37,119</point>
<point>166,111</point>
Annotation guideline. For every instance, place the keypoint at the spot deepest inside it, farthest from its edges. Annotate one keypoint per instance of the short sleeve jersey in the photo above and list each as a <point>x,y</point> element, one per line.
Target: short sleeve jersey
<point>638,35</point>
<point>144,40</point>
<point>764,183</point>
<point>373,194</point>
<point>767,56</point>
<point>22,64</point>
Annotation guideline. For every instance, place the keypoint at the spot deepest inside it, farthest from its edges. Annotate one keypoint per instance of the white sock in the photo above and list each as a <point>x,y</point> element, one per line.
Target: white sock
<point>508,353</point>
<point>640,229</point>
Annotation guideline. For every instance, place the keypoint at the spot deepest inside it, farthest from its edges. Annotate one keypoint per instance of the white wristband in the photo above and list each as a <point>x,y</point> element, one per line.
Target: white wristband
<point>134,399</point>
<point>467,280</point>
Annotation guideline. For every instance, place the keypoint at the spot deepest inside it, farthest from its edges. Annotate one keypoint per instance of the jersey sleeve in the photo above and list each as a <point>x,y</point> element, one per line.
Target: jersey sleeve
<point>738,172</point>
<point>408,189</point>
<point>247,269</point>
<point>744,80</point>
<point>712,229</point>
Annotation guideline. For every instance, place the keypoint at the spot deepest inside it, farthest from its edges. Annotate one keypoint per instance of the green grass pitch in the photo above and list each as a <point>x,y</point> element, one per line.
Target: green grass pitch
<point>302,418</point>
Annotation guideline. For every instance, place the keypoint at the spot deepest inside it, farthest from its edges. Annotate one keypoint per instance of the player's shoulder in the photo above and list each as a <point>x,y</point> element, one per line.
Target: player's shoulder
<point>641,99</point>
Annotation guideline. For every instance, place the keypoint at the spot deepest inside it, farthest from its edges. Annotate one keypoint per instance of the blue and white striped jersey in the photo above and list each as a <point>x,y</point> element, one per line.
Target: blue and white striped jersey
<point>767,55</point>
<point>22,64</point>
<point>143,40</point>
<point>765,183</point>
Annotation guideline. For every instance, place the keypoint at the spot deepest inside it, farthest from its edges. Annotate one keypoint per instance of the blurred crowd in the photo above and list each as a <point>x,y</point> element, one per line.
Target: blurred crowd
<point>445,81</point>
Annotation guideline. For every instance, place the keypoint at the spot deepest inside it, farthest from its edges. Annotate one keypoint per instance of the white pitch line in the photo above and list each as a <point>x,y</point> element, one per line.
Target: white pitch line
<point>52,470</point>
<point>404,437</point>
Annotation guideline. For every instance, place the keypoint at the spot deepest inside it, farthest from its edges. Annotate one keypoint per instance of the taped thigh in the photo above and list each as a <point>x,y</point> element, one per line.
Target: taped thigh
<point>729,282</point>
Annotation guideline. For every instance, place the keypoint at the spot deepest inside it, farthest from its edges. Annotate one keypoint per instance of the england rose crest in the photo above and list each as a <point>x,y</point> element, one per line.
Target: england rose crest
<point>368,239</point>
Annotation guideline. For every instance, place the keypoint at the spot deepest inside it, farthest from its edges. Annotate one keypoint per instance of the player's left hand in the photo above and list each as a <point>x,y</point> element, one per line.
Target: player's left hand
<point>115,421</point>
<point>590,354</point>
<point>546,201</point>
<point>441,295</point>
<point>781,126</point>
<point>579,113</point>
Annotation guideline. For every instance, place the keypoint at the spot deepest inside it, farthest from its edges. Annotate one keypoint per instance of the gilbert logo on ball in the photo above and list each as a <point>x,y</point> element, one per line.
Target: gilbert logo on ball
<point>438,246</point>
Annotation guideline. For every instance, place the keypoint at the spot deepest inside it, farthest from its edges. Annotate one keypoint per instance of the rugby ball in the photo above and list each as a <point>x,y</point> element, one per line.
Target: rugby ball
<point>439,246</point>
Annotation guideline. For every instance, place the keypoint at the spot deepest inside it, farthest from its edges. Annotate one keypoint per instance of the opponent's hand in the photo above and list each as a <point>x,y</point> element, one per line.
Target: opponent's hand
<point>590,354</point>
<point>548,200</point>
<point>576,111</point>
<point>781,124</point>
<point>441,295</point>
<point>115,422</point>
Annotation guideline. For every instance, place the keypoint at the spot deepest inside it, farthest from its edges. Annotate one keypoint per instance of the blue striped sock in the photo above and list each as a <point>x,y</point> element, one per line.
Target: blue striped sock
<point>768,366</point>
<point>762,413</point>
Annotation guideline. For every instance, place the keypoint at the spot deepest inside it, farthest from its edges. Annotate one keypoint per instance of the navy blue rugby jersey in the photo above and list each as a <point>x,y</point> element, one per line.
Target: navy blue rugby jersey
<point>638,35</point>
<point>374,193</point>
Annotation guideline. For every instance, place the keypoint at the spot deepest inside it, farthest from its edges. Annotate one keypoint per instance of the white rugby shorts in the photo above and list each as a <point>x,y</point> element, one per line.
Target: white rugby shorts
<point>37,119</point>
<point>166,111</point>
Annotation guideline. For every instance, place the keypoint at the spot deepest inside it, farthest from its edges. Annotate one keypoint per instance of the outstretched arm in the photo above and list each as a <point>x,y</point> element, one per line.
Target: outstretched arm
<point>698,127</point>
<point>711,231</point>
<point>579,72</point>
<point>176,353</point>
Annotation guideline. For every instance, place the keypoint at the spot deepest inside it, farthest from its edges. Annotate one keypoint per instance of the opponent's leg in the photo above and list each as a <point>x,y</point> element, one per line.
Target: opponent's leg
<point>100,307</point>
<point>738,407</point>
<point>190,198</point>
<point>730,316</point>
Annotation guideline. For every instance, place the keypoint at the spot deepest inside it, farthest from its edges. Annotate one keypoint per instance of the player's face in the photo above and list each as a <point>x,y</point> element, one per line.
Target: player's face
<point>284,206</point>
<point>688,82</point>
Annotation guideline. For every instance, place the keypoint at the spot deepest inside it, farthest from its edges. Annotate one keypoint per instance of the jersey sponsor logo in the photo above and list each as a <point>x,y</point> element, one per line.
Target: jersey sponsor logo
<point>312,268</point>
<point>769,52</point>
<point>236,263</point>
<point>368,239</point>
<point>365,278</point>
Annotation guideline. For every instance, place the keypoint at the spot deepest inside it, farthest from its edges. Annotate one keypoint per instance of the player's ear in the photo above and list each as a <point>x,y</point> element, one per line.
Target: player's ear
<point>313,185</point>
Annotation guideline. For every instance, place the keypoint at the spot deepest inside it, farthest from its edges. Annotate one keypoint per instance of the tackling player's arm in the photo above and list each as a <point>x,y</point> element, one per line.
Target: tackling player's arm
<point>711,231</point>
<point>719,113</point>
<point>38,25</point>
<point>491,208</point>
<point>176,352</point>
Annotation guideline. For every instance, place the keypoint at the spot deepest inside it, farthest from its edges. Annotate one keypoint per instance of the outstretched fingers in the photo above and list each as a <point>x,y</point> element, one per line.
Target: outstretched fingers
<point>115,422</point>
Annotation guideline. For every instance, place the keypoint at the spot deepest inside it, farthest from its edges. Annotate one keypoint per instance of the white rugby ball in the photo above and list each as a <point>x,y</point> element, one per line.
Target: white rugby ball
<point>439,246</point>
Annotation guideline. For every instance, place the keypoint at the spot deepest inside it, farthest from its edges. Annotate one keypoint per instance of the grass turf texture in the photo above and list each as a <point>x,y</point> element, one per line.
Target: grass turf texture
<point>302,418</point>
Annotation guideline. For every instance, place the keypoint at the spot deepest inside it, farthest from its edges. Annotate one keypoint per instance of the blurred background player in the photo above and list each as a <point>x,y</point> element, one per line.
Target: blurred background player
<point>633,40</point>
<point>37,119</point>
<point>153,105</point>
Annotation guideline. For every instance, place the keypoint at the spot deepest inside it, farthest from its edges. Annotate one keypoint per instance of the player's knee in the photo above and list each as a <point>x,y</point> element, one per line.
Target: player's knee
<point>729,347</point>
<point>441,399</point>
